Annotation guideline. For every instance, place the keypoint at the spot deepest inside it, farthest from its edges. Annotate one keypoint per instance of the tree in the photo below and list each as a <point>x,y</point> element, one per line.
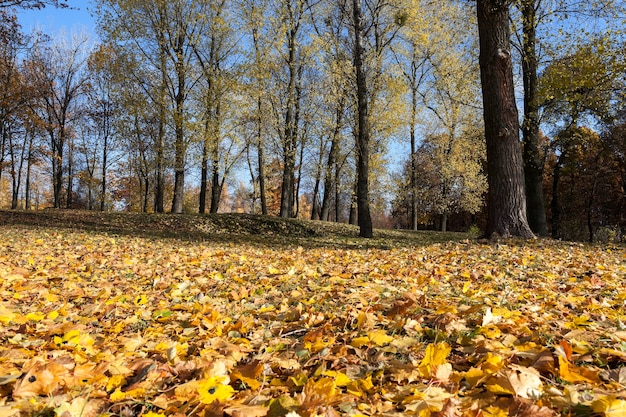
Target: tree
<point>13,88</point>
<point>363,128</point>
<point>59,72</point>
<point>104,69</point>
<point>33,4</point>
<point>164,34</point>
<point>533,16</point>
<point>293,15</point>
<point>533,163</point>
<point>582,85</point>
<point>259,64</point>
<point>214,52</point>
<point>506,205</point>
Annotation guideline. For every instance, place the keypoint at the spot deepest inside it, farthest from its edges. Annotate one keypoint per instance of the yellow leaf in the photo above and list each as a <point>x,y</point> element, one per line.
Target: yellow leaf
<point>491,363</point>
<point>492,411</point>
<point>38,316</point>
<point>117,396</point>
<point>324,388</point>
<point>341,379</point>
<point>357,342</point>
<point>498,389</point>
<point>116,381</point>
<point>141,300</point>
<point>379,337</point>
<point>215,389</point>
<point>490,331</point>
<point>435,355</point>
<point>610,406</point>
<point>575,374</point>
<point>360,387</point>
<point>6,316</point>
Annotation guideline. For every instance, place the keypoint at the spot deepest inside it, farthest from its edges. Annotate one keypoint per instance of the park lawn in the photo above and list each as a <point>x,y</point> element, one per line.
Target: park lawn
<point>173,315</point>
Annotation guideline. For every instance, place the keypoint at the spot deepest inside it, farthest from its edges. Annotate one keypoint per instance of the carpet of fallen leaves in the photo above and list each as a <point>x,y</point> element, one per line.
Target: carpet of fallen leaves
<point>104,324</point>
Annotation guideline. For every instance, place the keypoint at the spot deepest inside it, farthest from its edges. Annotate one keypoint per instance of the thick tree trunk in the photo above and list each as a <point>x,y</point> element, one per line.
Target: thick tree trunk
<point>533,164</point>
<point>363,130</point>
<point>289,145</point>
<point>505,175</point>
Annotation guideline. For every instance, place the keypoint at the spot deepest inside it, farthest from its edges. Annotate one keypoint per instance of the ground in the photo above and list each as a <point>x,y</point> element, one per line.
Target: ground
<point>236,315</point>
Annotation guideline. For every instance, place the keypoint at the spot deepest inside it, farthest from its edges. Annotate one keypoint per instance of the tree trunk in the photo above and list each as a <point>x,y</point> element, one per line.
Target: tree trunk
<point>57,169</point>
<point>216,186</point>
<point>70,175</point>
<point>363,130</point>
<point>159,183</point>
<point>146,193</point>
<point>261,159</point>
<point>289,144</point>
<point>204,178</point>
<point>533,164</point>
<point>555,205</point>
<point>506,201</point>
<point>179,151</point>
<point>103,190</point>
<point>332,162</point>
<point>337,194</point>
<point>413,155</point>
<point>28,169</point>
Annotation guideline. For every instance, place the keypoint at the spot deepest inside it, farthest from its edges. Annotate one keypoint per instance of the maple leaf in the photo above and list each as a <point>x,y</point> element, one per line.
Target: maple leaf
<point>517,380</point>
<point>435,356</point>
<point>215,389</point>
<point>575,374</point>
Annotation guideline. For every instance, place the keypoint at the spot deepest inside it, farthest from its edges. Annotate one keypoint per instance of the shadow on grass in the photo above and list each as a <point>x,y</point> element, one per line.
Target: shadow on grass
<point>233,228</point>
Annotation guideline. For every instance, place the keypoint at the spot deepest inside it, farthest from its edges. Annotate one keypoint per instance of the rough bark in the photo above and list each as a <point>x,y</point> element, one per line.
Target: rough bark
<point>363,130</point>
<point>289,140</point>
<point>533,163</point>
<point>506,206</point>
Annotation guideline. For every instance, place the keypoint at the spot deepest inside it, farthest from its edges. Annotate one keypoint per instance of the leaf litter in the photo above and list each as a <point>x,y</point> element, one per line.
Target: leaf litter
<point>101,324</point>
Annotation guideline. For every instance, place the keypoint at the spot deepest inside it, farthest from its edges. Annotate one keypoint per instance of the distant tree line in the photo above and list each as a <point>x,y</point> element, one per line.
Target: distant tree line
<point>297,108</point>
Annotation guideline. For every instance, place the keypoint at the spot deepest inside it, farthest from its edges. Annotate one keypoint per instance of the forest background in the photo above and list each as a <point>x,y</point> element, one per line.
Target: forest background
<point>251,106</point>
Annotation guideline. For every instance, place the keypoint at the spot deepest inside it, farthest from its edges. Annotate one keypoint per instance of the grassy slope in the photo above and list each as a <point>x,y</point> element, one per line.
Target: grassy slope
<point>224,228</point>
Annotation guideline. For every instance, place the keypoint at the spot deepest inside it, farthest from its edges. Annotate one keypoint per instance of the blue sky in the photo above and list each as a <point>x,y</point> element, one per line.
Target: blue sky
<point>52,21</point>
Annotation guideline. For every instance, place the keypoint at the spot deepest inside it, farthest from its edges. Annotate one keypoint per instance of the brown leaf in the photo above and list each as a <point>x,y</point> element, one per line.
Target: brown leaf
<point>522,407</point>
<point>40,378</point>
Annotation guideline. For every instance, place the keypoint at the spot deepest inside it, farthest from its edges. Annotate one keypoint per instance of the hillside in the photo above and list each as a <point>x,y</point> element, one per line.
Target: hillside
<point>221,227</point>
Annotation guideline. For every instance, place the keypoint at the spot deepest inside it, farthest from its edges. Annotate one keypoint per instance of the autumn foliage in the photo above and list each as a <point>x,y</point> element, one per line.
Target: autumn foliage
<point>211,321</point>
